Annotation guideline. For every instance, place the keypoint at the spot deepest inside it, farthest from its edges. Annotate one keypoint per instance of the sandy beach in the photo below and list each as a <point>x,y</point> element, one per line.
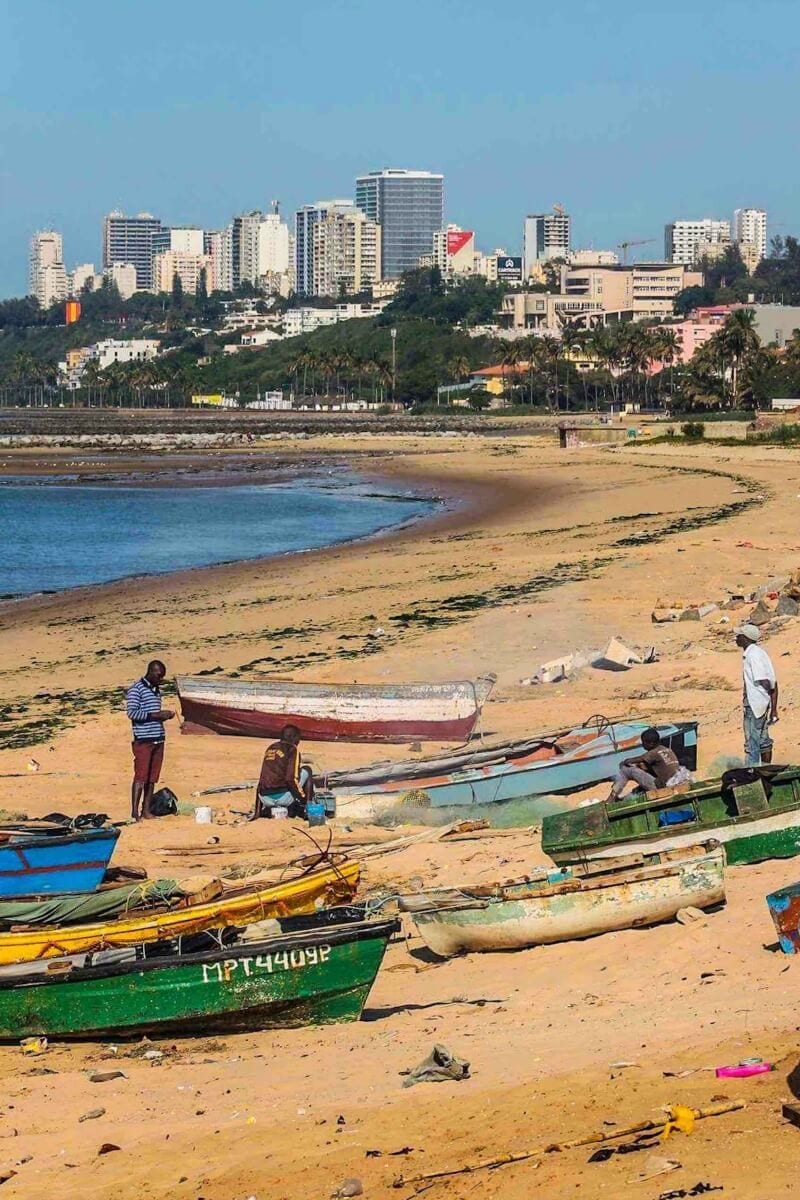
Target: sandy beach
<point>536,552</point>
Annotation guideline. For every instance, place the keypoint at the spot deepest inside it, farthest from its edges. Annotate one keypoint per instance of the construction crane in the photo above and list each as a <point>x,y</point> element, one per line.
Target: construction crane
<point>625,246</point>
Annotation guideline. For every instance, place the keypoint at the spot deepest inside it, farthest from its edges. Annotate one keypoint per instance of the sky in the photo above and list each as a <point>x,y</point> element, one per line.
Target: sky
<point>629,113</point>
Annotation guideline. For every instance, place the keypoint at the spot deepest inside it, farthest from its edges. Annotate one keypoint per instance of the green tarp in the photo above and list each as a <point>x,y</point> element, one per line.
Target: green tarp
<point>87,907</point>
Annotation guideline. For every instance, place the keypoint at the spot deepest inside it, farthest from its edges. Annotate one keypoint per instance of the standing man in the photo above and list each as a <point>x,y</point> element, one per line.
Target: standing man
<point>759,697</point>
<point>283,783</point>
<point>147,718</point>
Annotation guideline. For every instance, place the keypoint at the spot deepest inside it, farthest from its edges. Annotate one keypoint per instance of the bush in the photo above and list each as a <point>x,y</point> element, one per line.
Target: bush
<point>693,431</point>
<point>671,431</point>
<point>478,401</point>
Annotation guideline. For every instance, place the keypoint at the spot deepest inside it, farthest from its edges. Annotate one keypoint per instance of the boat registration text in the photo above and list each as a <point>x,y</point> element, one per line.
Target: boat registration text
<point>282,960</point>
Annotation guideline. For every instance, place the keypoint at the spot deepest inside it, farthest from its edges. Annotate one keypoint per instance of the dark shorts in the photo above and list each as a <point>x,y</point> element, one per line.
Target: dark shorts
<point>148,758</point>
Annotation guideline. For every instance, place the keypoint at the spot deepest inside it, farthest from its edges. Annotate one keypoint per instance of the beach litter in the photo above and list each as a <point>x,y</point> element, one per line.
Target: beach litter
<point>699,1189</point>
<point>441,1066</point>
<point>350,1187</point>
<point>614,656</point>
<point>92,1114</point>
<point>33,1045</point>
<point>654,1166</point>
<point>744,1069</point>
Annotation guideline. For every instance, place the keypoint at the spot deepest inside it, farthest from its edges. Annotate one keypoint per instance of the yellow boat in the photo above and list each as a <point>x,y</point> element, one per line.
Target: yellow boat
<point>240,906</point>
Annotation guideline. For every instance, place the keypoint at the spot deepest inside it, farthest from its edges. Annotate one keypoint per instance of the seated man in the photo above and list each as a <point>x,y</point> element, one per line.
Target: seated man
<point>658,767</point>
<point>283,783</point>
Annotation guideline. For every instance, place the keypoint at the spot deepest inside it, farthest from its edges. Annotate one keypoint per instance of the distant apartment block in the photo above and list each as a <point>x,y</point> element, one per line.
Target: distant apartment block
<point>123,276</point>
<point>183,239</point>
<point>750,229</point>
<point>188,268</point>
<point>105,354</point>
<point>83,277</point>
<point>682,238</point>
<point>218,245</point>
<point>545,236</point>
<point>260,250</point>
<point>130,240</point>
<point>337,249</point>
<point>47,277</point>
<point>592,258</point>
<point>306,320</point>
<point>409,208</point>
<point>454,251</point>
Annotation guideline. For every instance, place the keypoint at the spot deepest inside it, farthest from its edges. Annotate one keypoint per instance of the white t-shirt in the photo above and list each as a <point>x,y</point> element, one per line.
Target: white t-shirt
<point>757,664</point>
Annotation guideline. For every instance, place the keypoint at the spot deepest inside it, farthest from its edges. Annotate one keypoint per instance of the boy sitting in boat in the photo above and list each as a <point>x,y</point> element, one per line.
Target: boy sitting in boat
<point>283,783</point>
<point>658,767</point>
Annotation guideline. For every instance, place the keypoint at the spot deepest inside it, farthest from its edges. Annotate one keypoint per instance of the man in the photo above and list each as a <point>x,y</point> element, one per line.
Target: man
<point>147,718</point>
<point>658,767</point>
<point>283,783</point>
<point>759,696</point>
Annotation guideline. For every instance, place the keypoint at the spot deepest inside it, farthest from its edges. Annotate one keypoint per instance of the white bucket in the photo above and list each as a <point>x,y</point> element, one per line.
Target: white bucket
<point>204,815</point>
<point>279,813</point>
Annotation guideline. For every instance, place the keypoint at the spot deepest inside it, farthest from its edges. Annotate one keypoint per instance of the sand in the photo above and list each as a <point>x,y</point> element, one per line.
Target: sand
<point>538,553</point>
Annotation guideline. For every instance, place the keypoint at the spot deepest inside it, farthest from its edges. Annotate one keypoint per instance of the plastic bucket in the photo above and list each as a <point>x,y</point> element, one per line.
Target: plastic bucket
<point>204,815</point>
<point>315,813</point>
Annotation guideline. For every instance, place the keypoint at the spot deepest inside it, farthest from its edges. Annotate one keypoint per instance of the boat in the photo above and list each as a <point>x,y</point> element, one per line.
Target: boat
<point>81,908</point>
<point>547,764</point>
<point>331,712</point>
<point>624,893</point>
<point>755,821</point>
<point>784,908</point>
<point>310,976</point>
<point>237,906</point>
<point>38,862</point>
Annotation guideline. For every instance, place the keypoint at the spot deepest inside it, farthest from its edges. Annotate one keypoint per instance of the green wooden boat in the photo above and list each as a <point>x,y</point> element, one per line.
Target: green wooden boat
<point>755,821</point>
<point>316,974</point>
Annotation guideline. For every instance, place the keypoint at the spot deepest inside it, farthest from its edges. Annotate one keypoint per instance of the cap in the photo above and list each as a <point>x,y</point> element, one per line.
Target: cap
<point>751,632</point>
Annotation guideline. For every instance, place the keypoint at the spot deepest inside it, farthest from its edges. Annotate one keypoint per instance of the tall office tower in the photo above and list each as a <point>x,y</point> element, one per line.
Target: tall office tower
<point>48,279</point>
<point>409,207</point>
<point>130,240</point>
<point>545,236</point>
<point>750,226</point>
<point>218,245</point>
<point>682,238</point>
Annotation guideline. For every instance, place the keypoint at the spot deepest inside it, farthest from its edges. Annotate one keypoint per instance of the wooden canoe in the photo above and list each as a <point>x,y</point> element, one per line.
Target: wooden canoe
<point>754,822</point>
<point>311,977</point>
<point>235,907</point>
<point>441,712</point>
<point>624,894</point>
<point>54,860</point>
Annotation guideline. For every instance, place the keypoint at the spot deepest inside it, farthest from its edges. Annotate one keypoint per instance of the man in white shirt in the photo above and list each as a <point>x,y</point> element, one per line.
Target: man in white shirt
<point>759,697</point>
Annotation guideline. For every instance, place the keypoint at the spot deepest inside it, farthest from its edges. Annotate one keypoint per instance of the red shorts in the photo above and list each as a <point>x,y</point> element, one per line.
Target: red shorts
<point>148,758</point>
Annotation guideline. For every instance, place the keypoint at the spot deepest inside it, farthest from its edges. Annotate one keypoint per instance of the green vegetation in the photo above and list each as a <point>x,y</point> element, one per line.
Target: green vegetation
<point>693,431</point>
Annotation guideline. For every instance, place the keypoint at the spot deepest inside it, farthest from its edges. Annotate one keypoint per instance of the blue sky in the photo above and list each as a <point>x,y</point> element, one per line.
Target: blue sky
<point>628,112</point>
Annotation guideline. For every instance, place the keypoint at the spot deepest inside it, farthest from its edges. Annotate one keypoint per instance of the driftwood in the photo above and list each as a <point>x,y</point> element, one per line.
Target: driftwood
<point>487,1164</point>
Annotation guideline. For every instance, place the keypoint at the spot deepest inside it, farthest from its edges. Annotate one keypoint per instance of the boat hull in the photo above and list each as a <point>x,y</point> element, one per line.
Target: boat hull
<point>784,908</point>
<point>446,712</point>
<point>298,896</point>
<point>503,780</point>
<point>310,978</point>
<point>64,864</point>
<point>522,918</point>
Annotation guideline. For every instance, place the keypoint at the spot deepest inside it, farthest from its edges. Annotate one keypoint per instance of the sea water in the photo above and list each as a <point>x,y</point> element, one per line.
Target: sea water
<point>60,536</point>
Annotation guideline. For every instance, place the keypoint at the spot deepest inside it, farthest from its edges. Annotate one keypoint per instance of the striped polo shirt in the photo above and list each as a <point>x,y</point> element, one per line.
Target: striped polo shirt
<point>145,698</point>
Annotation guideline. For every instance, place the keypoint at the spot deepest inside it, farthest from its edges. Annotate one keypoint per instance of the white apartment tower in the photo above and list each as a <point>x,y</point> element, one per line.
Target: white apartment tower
<point>545,236</point>
<point>682,238</point>
<point>189,268</point>
<point>338,249</point>
<point>750,226</point>
<point>218,245</point>
<point>48,279</point>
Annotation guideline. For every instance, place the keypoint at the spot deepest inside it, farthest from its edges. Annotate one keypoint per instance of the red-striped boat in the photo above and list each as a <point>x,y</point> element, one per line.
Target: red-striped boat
<point>334,712</point>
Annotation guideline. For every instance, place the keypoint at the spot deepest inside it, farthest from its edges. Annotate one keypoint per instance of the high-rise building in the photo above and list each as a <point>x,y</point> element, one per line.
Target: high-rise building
<point>130,240</point>
<point>750,226</point>
<point>272,247</point>
<point>454,251</point>
<point>123,276</point>
<point>409,207</point>
<point>188,268</point>
<point>682,238</point>
<point>337,249</point>
<point>83,277</point>
<point>48,279</point>
<point>184,239</point>
<point>218,245</point>
<point>545,236</point>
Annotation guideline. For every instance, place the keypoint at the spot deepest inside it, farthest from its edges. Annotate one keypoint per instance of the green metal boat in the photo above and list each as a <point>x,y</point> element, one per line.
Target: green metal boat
<point>318,973</point>
<point>755,820</point>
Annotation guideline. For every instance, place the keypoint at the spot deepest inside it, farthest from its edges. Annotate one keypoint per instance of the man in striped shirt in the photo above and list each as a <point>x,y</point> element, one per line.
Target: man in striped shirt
<point>147,718</point>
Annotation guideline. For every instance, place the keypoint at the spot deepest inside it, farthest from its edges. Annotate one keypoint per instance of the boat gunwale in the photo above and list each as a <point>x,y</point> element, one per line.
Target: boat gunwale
<point>356,931</point>
<point>77,837</point>
<point>479,688</point>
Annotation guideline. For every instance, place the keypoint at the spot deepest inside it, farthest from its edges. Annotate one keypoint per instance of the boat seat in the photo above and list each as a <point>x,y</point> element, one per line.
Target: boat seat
<point>751,798</point>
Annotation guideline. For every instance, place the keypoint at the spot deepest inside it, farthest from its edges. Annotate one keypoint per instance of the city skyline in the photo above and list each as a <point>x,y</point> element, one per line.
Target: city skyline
<point>625,141</point>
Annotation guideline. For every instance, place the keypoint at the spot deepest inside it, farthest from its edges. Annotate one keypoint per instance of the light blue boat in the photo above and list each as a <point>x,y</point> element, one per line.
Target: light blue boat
<point>54,861</point>
<point>561,762</point>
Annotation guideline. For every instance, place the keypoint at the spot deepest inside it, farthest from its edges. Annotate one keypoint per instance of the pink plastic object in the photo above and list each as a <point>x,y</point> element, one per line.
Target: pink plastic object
<point>743,1070</point>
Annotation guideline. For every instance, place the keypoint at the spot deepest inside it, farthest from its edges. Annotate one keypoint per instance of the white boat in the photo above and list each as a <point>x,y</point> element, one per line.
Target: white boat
<point>582,902</point>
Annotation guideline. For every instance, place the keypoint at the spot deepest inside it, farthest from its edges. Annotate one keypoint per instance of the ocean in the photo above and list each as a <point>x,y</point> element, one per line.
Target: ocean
<point>58,536</point>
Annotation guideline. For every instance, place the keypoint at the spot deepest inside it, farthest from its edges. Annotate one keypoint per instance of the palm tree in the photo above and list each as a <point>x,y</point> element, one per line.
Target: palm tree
<point>667,348</point>
<point>547,352</point>
<point>91,377</point>
<point>571,336</point>
<point>511,354</point>
<point>740,341</point>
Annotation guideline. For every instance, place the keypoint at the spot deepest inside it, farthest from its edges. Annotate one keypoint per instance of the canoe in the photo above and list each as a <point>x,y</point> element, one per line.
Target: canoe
<point>311,977</point>
<point>235,907</point>
<point>619,894</point>
<point>559,762</point>
<point>784,908</point>
<point>34,863</point>
<point>753,822</point>
<point>441,712</point>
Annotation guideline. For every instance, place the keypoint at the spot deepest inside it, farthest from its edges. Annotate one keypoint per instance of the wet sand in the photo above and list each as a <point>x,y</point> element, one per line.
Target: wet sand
<point>544,552</point>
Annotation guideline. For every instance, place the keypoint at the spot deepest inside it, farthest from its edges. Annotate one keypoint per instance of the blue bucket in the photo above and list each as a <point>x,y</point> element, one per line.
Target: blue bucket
<point>315,813</point>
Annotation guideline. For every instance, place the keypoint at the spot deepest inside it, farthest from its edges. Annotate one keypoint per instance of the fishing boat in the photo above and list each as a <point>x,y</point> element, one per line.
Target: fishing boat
<point>312,976</point>
<point>558,762</point>
<point>37,862</point>
<point>441,712</point>
<point>755,821</point>
<point>618,894</point>
<point>236,906</point>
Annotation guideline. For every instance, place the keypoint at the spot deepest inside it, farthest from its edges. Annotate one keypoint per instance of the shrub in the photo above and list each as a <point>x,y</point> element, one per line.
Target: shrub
<point>478,401</point>
<point>693,431</point>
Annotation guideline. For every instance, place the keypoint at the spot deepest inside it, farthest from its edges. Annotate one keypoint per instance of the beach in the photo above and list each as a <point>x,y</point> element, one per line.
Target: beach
<point>534,553</point>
